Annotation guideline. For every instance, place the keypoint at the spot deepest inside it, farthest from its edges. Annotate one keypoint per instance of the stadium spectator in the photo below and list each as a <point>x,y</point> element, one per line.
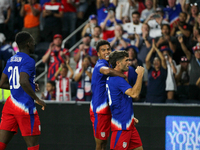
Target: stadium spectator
<point>157,75</point>
<point>149,10</point>
<point>194,90</point>
<point>125,19</point>
<point>195,37</point>
<point>96,36</point>
<point>118,42</point>
<point>155,21</point>
<point>4,5</point>
<point>182,78</point>
<point>109,24</point>
<point>143,42</point>
<point>55,55</point>
<point>181,28</point>
<point>122,9</point>
<point>6,51</point>
<point>31,13</point>
<point>52,14</point>
<point>166,39</point>
<point>171,71</point>
<point>50,93</point>
<point>102,9</point>
<point>85,49</point>
<point>136,5</point>
<point>134,63</point>
<point>172,11</point>
<point>63,82</point>
<point>69,18</point>
<point>192,15</point>
<point>134,27</point>
<point>81,9</point>
<point>83,77</point>
<point>89,27</point>
<point>133,59</point>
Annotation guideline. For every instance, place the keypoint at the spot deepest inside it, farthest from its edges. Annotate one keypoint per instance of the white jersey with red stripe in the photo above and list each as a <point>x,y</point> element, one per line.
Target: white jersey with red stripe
<point>63,89</point>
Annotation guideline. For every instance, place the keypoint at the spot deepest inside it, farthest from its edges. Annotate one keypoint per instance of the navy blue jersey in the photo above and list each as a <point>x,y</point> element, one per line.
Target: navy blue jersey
<point>120,104</point>
<point>18,63</point>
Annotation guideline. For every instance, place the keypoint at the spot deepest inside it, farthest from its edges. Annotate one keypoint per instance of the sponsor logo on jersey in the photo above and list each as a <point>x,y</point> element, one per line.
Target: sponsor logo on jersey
<point>103,134</point>
<point>124,144</point>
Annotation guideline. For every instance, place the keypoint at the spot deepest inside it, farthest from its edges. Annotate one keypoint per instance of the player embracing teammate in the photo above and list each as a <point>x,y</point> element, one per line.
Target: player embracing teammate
<point>100,114</point>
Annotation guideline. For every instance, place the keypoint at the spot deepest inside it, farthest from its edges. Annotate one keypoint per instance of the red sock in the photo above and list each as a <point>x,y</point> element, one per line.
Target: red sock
<point>34,147</point>
<point>2,146</point>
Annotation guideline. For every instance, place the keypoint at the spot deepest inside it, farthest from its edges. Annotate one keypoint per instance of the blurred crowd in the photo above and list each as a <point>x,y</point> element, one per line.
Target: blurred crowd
<point>162,36</point>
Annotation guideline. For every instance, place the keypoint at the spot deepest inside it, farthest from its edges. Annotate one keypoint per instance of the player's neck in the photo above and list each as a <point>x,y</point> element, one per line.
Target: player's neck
<point>118,69</point>
<point>25,51</point>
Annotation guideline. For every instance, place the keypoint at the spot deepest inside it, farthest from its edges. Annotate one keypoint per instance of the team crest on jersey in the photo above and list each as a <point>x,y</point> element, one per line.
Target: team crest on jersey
<point>103,134</point>
<point>124,144</point>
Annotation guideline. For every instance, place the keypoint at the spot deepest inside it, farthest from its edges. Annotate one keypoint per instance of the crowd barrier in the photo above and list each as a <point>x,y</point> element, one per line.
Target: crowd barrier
<point>67,126</point>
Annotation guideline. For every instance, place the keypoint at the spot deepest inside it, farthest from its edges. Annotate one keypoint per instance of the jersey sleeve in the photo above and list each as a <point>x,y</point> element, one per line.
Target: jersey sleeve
<point>28,67</point>
<point>122,84</point>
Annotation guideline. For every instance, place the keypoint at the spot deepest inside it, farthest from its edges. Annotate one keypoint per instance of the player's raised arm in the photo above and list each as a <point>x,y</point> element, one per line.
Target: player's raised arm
<point>25,84</point>
<point>111,72</point>
<point>135,91</point>
<point>4,83</point>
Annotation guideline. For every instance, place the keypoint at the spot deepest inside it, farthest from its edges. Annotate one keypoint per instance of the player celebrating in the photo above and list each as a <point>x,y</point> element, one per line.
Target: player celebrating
<point>99,108</point>
<point>19,109</point>
<point>124,134</point>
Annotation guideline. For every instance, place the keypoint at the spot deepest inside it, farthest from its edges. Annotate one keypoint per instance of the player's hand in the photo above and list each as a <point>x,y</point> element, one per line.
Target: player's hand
<point>136,121</point>
<point>139,70</point>
<point>37,87</point>
<point>41,102</point>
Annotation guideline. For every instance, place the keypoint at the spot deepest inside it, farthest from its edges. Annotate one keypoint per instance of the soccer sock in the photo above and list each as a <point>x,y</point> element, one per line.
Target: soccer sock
<point>2,146</point>
<point>34,147</point>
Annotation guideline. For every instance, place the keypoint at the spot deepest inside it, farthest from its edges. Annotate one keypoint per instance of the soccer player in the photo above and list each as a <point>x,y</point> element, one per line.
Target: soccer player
<point>120,93</point>
<point>99,108</point>
<point>19,109</point>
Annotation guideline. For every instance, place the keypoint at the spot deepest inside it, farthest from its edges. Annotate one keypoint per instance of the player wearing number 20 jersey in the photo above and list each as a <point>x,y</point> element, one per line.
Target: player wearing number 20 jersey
<point>20,102</point>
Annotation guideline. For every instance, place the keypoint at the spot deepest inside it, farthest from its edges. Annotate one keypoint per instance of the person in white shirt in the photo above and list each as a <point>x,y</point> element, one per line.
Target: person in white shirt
<point>149,10</point>
<point>134,27</point>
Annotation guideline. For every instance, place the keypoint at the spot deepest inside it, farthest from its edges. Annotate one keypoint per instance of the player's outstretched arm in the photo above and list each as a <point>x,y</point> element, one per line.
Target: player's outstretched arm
<point>4,83</point>
<point>26,86</point>
<point>111,72</point>
<point>135,91</point>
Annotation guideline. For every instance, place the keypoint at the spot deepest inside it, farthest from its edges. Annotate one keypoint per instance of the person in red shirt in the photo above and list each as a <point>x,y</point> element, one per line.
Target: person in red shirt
<point>85,49</point>
<point>55,55</point>
<point>52,14</point>
<point>69,18</point>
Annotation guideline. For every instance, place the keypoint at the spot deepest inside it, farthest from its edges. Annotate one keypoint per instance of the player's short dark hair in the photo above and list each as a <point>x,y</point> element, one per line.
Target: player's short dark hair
<point>22,38</point>
<point>117,56</point>
<point>135,13</point>
<point>100,43</point>
<point>52,83</point>
<point>168,26</point>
